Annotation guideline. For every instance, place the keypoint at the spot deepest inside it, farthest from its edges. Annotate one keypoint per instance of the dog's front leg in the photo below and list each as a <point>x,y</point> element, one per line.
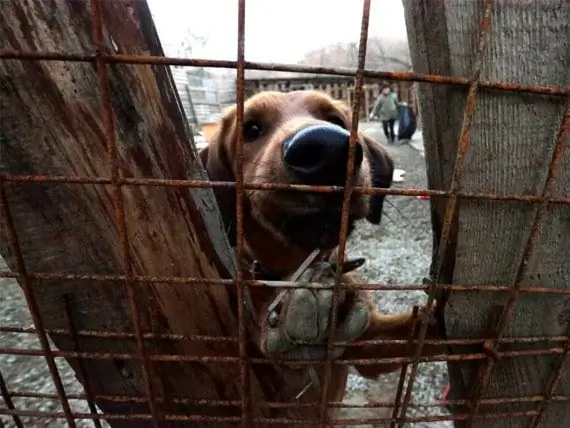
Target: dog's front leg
<point>391,327</point>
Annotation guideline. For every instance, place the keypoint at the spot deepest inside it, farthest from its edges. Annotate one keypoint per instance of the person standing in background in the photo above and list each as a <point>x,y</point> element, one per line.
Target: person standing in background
<point>386,109</point>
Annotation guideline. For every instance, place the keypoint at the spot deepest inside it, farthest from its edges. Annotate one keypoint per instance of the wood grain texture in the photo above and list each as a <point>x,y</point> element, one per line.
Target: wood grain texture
<point>511,145</point>
<point>52,124</point>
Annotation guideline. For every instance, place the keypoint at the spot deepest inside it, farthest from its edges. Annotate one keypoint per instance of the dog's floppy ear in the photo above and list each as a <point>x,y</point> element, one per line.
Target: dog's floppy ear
<point>381,166</point>
<point>382,171</point>
<point>216,158</point>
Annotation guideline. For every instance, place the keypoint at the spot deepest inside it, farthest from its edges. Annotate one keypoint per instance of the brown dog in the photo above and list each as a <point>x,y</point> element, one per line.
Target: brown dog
<point>302,138</point>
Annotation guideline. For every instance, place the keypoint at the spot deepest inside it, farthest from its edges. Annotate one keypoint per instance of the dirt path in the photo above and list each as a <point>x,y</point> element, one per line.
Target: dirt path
<point>398,252</point>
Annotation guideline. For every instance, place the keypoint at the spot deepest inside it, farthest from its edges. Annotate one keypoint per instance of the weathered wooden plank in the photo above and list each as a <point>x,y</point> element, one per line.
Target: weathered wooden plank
<point>512,139</point>
<point>52,124</point>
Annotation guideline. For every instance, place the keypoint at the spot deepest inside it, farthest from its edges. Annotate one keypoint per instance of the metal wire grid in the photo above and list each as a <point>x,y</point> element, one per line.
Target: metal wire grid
<point>490,354</point>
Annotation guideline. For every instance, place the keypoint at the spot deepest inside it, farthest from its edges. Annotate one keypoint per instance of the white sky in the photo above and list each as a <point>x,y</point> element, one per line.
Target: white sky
<point>276,30</point>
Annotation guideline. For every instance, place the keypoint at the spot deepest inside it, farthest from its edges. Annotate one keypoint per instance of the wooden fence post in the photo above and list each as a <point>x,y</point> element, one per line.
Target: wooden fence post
<point>513,139</point>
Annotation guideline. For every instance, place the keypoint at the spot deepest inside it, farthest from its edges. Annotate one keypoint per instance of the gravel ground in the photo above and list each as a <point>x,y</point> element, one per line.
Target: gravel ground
<point>398,251</point>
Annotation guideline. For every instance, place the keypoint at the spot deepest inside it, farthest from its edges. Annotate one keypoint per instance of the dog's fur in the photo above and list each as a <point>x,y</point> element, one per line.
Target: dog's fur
<point>283,227</point>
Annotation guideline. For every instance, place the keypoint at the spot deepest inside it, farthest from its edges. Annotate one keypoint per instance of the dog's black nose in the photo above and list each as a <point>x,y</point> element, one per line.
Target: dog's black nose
<point>318,154</point>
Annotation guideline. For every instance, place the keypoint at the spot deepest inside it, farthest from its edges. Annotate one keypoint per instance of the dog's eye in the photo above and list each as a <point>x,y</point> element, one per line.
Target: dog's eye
<point>251,130</point>
<point>335,120</point>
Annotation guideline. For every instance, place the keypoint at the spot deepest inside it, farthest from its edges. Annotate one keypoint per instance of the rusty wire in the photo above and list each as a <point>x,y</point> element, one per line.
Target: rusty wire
<point>119,204</point>
<point>199,184</point>
<point>200,338</point>
<point>294,404</point>
<point>216,419</point>
<point>560,345</point>
<point>7,397</point>
<point>349,184</point>
<point>89,397</point>
<point>404,370</point>
<point>552,384</point>
<point>233,360</point>
<point>240,192</point>
<point>265,420</point>
<point>249,65</point>
<point>60,276</point>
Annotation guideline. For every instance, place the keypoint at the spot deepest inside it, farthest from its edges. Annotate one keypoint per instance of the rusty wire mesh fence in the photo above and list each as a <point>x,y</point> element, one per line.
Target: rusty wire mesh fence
<point>453,195</point>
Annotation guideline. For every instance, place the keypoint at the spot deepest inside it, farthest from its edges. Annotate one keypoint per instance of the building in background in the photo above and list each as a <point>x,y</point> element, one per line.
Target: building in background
<point>204,94</point>
<point>179,75</point>
<point>210,93</point>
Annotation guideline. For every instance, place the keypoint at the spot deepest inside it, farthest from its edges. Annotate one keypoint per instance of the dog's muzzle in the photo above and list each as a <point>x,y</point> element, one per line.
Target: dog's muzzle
<point>318,154</point>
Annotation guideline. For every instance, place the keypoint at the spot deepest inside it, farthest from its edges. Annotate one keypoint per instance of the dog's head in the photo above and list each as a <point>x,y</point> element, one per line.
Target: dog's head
<point>298,137</point>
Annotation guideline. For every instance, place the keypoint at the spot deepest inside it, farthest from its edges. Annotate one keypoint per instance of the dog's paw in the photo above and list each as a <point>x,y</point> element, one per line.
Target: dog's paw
<point>299,328</point>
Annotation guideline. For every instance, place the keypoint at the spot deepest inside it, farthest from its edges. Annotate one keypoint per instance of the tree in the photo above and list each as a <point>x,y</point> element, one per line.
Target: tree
<point>511,144</point>
<point>388,54</point>
<point>381,54</point>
